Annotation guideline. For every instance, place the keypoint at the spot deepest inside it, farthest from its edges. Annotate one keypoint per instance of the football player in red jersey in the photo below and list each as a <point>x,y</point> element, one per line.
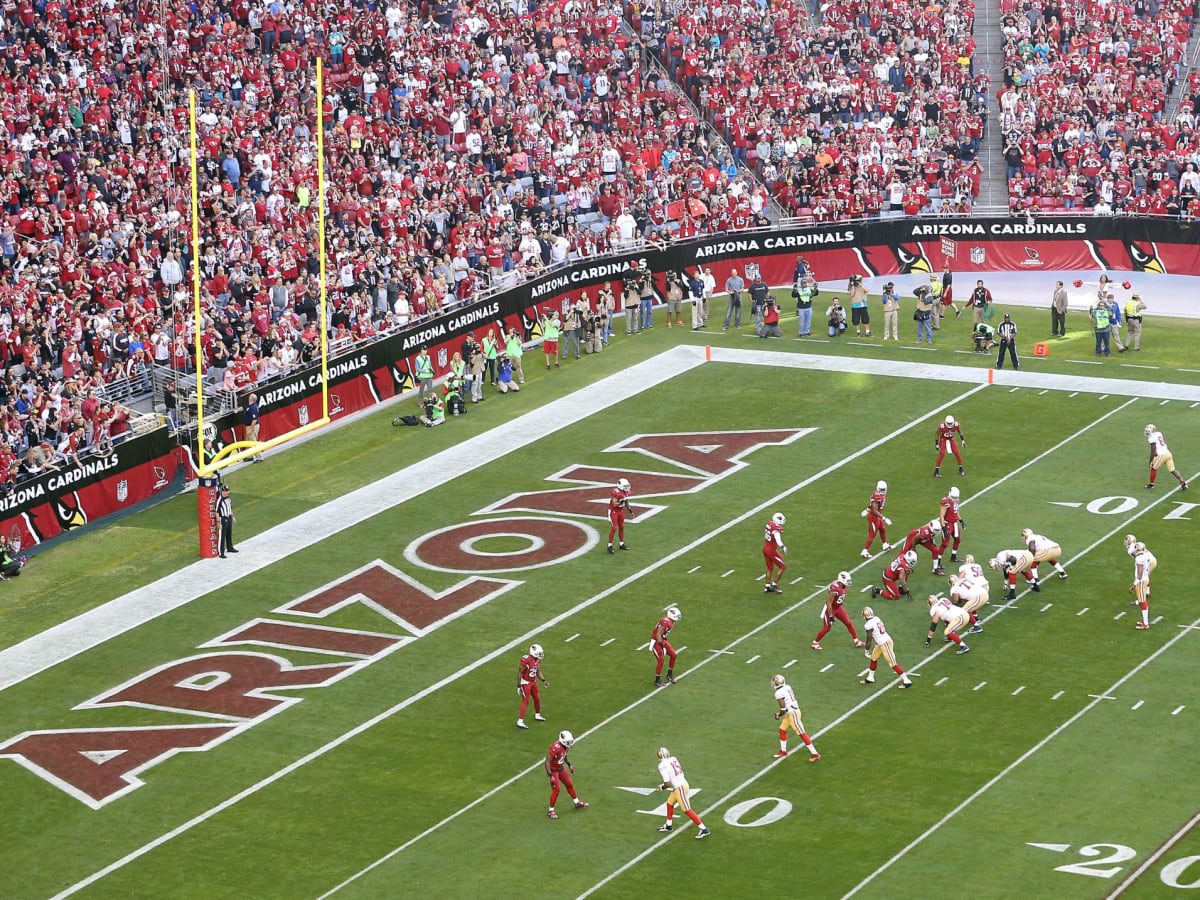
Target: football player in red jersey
<point>949,436</point>
<point>952,524</point>
<point>928,536</point>
<point>773,550</point>
<point>617,504</point>
<point>834,609</point>
<point>529,672</point>
<point>661,647</point>
<point>895,577</point>
<point>556,761</point>
<point>877,522</point>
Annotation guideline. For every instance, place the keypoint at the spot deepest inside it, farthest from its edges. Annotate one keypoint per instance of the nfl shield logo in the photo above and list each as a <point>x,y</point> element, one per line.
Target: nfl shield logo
<point>442,358</point>
<point>122,490</point>
<point>335,402</point>
<point>751,271</point>
<point>304,415</point>
<point>978,255</point>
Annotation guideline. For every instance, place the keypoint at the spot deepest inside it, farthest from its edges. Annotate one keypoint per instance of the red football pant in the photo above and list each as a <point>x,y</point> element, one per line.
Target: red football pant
<point>953,445</point>
<point>774,561</point>
<point>1012,577</point>
<point>663,651</point>
<point>555,778</point>
<point>957,536</point>
<point>875,526</point>
<point>896,669</point>
<point>840,614</point>
<point>891,588</point>
<point>530,690</point>
<point>691,814</point>
<point>618,526</point>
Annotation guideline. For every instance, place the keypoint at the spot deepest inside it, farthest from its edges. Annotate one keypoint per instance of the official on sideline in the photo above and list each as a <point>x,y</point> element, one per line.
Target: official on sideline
<point>1007,337</point>
<point>225,514</point>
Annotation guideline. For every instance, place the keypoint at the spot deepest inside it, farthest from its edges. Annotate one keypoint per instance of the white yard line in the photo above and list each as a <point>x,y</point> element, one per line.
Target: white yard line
<point>1154,857</point>
<point>874,696</point>
<point>508,647</point>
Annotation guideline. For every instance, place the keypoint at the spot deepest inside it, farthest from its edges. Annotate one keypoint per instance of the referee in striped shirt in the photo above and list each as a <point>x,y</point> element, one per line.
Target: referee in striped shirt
<point>225,514</point>
<point>1006,336</point>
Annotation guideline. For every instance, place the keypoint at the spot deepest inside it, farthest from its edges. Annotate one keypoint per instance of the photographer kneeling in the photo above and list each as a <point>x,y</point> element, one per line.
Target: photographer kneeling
<point>985,337</point>
<point>505,382</point>
<point>770,319</point>
<point>837,318</point>
<point>434,411</point>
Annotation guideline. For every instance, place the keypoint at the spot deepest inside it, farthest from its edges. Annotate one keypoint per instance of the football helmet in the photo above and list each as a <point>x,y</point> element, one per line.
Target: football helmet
<point>881,486</point>
<point>779,519</point>
<point>566,738</point>
<point>1130,540</point>
<point>778,681</point>
<point>994,563</point>
<point>623,484</point>
<point>949,421</point>
<point>911,557</point>
<point>844,577</point>
<point>954,495</point>
<point>1150,429</point>
<point>1139,547</point>
<point>1026,534</point>
<point>952,580</point>
<point>868,613</point>
<point>663,752</point>
<point>536,651</point>
<point>969,559</point>
<point>933,598</point>
<point>935,525</point>
<point>674,614</point>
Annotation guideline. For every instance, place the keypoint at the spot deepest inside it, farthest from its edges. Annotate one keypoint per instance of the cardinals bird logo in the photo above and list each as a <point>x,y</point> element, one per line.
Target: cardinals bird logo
<point>403,380</point>
<point>531,327</point>
<point>912,260</point>
<point>1145,260</point>
<point>70,512</point>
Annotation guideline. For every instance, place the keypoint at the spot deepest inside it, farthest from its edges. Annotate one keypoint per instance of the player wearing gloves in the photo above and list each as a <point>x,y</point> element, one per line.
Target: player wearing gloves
<point>673,780</point>
<point>556,761</point>
<point>773,550</point>
<point>529,673</point>
<point>877,522</point>
<point>834,609</point>
<point>879,643</point>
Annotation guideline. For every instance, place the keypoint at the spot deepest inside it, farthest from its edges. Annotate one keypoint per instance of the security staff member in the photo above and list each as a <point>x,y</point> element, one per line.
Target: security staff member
<point>1007,334</point>
<point>250,419</point>
<point>424,373</point>
<point>1133,318</point>
<point>225,514</point>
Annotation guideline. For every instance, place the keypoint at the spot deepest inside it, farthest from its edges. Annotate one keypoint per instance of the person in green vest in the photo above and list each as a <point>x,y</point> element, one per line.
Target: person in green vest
<point>10,565</point>
<point>491,351</point>
<point>1101,322</point>
<point>985,337</point>
<point>1133,320</point>
<point>433,411</point>
<point>514,351</point>
<point>424,369</point>
<point>458,374</point>
<point>550,330</point>
<point>935,294</point>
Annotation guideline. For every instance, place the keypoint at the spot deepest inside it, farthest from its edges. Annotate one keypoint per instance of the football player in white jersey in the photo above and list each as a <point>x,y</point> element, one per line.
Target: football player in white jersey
<point>941,610</point>
<point>673,780</point>
<point>1012,563</point>
<point>879,643</point>
<point>1043,550</point>
<point>1161,456</point>
<point>1143,564</point>
<point>970,590</point>
<point>788,716</point>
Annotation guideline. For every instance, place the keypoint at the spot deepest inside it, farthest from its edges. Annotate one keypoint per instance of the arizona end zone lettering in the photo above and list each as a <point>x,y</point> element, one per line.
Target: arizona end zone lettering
<point>242,677</point>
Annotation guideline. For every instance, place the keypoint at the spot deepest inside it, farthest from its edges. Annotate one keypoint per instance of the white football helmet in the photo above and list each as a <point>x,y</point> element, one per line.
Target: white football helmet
<point>566,738</point>
<point>954,495</point>
<point>1150,429</point>
<point>844,577</point>
<point>674,614</point>
<point>935,525</point>
<point>952,579</point>
<point>778,681</point>
<point>1139,547</point>
<point>779,519</point>
<point>663,753</point>
<point>969,559</point>
<point>1130,540</point>
<point>868,613</point>
<point>911,557</point>
<point>881,486</point>
<point>933,598</point>
<point>536,651</point>
<point>623,484</point>
<point>993,563</point>
<point>949,421</point>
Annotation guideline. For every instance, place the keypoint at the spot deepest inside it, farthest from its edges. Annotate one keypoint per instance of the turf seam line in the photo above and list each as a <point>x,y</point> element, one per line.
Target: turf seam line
<point>1154,857</point>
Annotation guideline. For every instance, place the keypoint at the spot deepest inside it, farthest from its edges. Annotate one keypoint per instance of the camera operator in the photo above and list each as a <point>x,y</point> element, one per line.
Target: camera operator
<point>804,291</point>
<point>504,377</point>
<point>433,411</point>
<point>984,336</point>
<point>646,298</point>
<point>891,312</point>
<point>770,318</point>
<point>860,312</point>
<point>923,314</point>
<point>629,284</point>
<point>836,314</point>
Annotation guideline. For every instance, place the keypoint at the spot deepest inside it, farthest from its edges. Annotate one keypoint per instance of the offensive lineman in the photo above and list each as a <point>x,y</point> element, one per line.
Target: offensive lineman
<point>673,780</point>
<point>1011,563</point>
<point>952,524</point>
<point>661,647</point>
<point>895,577</point>
<point>1161,456</point>
<point>834,609</point>
<point>1144,563</point>
<point>970,590</point>
<point>773,550</point>
<point>789,717</point>
<point>947,431</point>
<point>1043,550</point>
<point>879,643</point>
<point>617,504</point>
<point>529,672</point>
<point>941,610</point>
<point>877,522</point>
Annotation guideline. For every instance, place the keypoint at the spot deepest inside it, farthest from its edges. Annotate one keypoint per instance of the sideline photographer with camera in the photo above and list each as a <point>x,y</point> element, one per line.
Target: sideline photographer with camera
<point>836,314</point>
<point>433,411</point>
<point>891,312</point>
<point>923,314</point>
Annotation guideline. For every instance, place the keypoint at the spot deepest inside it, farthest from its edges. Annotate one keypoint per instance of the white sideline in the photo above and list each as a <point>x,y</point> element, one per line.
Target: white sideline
<point>87,630</point>
<point>714,654</point>
<point>868,700</point>
<point>470,667</point>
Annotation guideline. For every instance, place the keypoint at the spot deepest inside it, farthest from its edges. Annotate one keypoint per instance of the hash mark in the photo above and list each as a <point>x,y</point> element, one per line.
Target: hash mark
<point>681,649</point>
<point>978,686</point>
<point>828,667</point>
<point>941,681</point>
<point>1046,607</point>
<point>865,671</point>
<point>1194,405</point>
<point>1177,710</point>
<point>1076,394</point>
<point>609,641</point>
<point>571,638</point>
<point>1101,697</point>
<point>727,574</point>
<point>1136,705</point>
<point>1164,403</point>
<point>641,647</point>
<point>796,580</point>
<point>1043,392</point>
<point>1059,694</point>
<point>1118,615</point>
<point>693,569</point>
<point>788,665</point>
<point>761,577</point>
<point>1013,390</point>
<point>1018,690</point>
<point>866,587</point>
<point>1103,396</point>
<point>1156,620</point>
<point>1082,611</point>
<point>753,658</point>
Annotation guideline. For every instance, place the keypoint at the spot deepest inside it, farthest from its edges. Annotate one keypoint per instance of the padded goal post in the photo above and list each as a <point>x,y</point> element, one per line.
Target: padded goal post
<point>209,468</point>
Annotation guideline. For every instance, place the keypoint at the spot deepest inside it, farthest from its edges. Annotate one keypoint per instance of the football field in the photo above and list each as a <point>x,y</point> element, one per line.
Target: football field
<point>333,714</point>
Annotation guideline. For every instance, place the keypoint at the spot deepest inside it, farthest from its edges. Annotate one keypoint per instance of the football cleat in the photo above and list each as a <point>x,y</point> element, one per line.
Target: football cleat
<point>552,814</point>
<point>975,629</point>
<point>814,757</point>
<point>538,717</point>
<point>866,681</point>
<point>779,519</point>
<point>904,685</point>
<point>1062,574</point>
<point>702,833</point>
<point>674,614</point>
<point>866,554</point>
<point>1035,586</point>
<point>875,592</point>
<point>1150,485</point>
<point>610,549</point>
<point>937,473</point>
<point>938,570</point>
<point>816,645</point>
<point>1011,595</point>
<point>776,589</point>
<point>963,648</point>
<point>1142,626</point>
<point>579,804</point>
<point>623,547</point>
<point>953,557</point>
<point>658,682</point>
<point>670,679</point>
<point>887,546</point>
<point>858,643</point>
<point>666,828</point>
<point>536,651</point>
<point>521,723</point>
<point>767,590</point>
<point>781,753</point>
<point>962,471</point>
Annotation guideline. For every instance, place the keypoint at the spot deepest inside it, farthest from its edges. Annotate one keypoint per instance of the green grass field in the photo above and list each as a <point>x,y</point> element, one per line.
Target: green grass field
<point>1064,726</point>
